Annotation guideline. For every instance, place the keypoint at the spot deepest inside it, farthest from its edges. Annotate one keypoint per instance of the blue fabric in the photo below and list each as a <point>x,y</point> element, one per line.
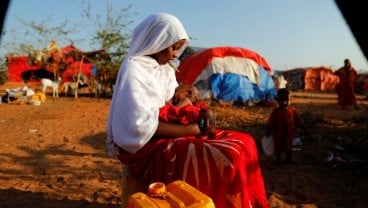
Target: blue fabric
<point>94,70</point>
<point>266,89</point>
<point>235,87</point>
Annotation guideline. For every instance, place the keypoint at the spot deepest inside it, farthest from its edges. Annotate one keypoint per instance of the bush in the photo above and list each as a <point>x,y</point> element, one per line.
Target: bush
<point>3,77</point>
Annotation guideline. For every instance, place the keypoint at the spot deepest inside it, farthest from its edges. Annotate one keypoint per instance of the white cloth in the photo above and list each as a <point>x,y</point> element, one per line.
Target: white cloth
<point>231,64</point>
<point>155,33</point>
<point>142,85</point>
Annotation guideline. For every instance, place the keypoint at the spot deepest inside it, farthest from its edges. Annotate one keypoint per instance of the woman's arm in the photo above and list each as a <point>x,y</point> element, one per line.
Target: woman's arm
<point>177,130</point>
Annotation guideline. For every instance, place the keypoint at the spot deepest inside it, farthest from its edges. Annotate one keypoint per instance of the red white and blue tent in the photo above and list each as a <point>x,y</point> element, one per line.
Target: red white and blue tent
<point>228,74</point>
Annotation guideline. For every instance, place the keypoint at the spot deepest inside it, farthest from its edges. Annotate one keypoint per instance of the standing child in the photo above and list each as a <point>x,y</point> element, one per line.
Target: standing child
<point>282,124</point>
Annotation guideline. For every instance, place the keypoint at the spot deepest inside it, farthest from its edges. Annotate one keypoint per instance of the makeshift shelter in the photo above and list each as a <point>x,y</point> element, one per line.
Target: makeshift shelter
<point>18,65</point>
<point>311,78</point>
<point>294,78</point>
<point>320,79</point>
<point>228,74</point>
<point>72,63</point>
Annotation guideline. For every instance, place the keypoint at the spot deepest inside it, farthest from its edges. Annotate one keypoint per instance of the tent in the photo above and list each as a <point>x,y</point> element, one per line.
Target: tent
<point>320,79</point>
<point>294,78</point>
<point>27,68</point>
<point>311,78</point>
<point>228,74</point>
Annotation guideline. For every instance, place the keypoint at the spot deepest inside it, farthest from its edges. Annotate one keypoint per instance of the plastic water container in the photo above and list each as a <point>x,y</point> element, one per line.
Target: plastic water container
<point>178,194</point>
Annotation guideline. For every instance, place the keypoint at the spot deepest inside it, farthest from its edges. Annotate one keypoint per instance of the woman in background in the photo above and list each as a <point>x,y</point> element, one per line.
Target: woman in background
<point>346,87</point>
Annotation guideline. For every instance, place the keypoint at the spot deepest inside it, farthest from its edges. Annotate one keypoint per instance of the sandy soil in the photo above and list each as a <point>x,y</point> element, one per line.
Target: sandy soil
<point>54,155</point>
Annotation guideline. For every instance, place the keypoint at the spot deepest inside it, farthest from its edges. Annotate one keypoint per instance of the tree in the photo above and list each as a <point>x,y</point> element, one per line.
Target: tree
<point>35,36</point>
<point>109,35</point>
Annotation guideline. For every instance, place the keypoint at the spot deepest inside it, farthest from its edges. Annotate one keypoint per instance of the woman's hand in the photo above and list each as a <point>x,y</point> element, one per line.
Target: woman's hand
<point>204,126</point>
<point>206,122</point>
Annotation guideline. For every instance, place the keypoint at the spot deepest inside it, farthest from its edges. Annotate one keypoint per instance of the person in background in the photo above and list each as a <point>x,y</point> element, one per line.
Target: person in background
<point>282,124</point>
<point>346,87</point>
<point>225,167</point>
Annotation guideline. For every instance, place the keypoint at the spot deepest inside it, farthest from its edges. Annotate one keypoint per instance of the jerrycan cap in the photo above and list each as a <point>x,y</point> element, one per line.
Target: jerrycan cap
<point>157,189</point>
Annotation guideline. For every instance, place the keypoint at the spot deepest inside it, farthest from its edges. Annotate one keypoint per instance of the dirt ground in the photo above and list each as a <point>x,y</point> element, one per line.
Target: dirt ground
<point>54,154</point>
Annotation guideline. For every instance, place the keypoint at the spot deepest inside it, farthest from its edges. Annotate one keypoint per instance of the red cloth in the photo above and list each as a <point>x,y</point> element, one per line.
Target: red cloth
<point>184,115</point>
<point>225,167</point>
<point>345,88</point>
<point>284,122</point>
<point>193,65</point>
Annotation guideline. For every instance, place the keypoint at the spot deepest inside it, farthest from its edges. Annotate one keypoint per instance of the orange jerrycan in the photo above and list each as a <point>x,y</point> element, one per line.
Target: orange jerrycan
<point>177,194</point>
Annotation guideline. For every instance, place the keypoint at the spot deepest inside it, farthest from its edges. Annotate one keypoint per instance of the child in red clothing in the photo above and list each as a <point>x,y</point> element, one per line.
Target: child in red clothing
<point>283,123</point>
<point>186,108</point>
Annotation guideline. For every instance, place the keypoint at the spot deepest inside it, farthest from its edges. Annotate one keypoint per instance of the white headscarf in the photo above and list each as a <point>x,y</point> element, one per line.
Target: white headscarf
<point>156,33</point>
<point>142,85</point>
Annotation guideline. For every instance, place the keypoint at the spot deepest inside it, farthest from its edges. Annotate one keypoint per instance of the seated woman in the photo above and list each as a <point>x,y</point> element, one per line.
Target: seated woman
<point>223,164</point>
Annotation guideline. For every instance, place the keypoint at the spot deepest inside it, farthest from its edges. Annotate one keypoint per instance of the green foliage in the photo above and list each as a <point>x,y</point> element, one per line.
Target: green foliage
<point>111,35</point>
<point>37,35</point>
<point>3,76</point>
<point>3,72</point>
